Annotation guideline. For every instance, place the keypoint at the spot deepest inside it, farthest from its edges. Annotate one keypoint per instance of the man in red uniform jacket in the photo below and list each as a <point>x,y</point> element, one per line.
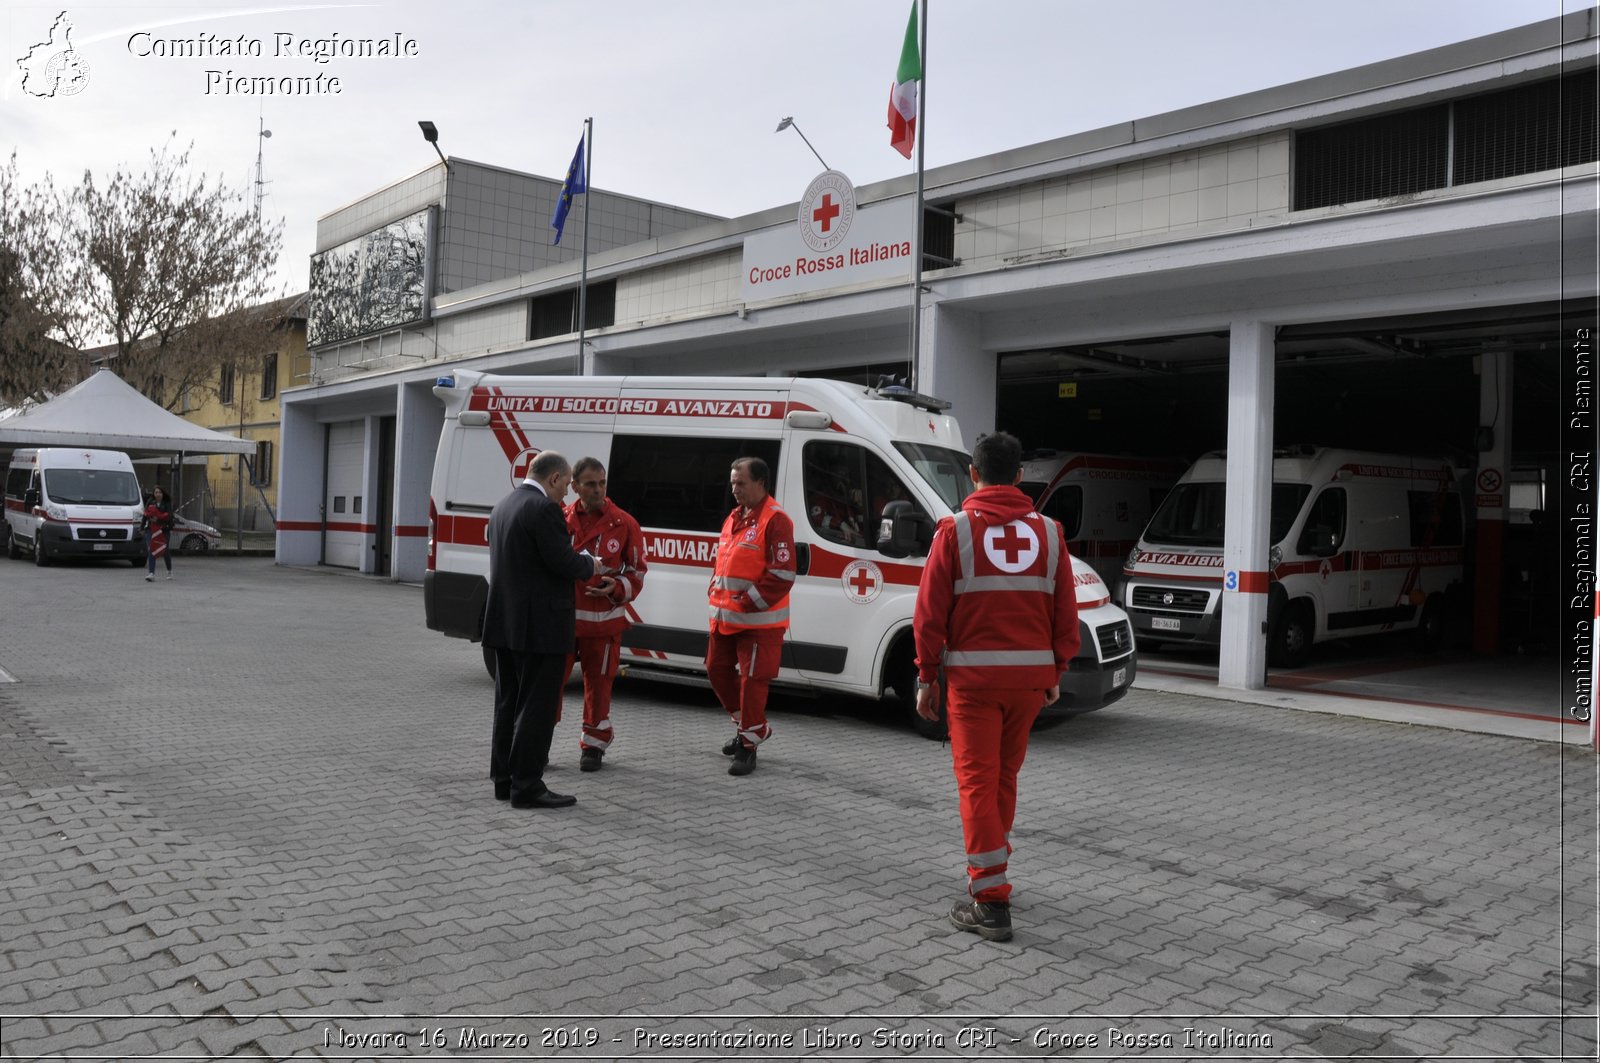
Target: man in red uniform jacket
<point>749,599</point>
<point>998,609</point>
<point>601,529</point>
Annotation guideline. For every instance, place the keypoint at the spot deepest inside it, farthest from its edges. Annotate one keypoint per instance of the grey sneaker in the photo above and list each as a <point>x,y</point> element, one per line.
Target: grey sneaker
<point>991,921</point>
<point>744,762</point>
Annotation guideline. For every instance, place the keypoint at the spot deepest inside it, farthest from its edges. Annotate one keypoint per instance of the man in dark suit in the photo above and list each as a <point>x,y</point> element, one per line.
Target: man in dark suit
<point>529,623</point>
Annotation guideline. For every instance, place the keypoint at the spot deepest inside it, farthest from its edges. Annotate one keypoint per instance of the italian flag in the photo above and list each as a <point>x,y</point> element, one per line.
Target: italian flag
<point>903,96</point>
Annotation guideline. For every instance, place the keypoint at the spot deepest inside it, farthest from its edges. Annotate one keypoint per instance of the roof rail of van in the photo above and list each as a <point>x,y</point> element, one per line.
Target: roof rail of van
<point>901,393</point>
<point>1296,450</point>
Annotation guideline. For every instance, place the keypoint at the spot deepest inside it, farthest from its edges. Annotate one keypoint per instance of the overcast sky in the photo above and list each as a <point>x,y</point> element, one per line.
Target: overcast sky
<point>685,94</point>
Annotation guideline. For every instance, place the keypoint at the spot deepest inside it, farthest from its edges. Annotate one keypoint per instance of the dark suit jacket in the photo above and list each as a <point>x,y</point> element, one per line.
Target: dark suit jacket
<point>532,567</point>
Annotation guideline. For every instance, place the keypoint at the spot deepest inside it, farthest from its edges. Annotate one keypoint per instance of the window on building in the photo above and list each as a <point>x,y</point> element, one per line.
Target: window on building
<point>269,375</point>
<point>261,474</point>
<point>938,238</point>
<point>225,385</point>
<point>556,314</point>
<point>1543,125</point>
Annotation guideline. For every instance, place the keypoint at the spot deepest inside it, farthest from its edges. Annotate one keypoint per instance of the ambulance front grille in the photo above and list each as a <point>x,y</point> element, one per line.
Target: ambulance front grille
<point>1170,599</point>
<point>102,534</point>
<point>1116,640</point>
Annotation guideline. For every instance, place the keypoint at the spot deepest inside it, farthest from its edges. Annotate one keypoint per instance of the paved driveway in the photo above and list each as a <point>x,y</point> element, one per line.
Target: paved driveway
<point>246,812</point>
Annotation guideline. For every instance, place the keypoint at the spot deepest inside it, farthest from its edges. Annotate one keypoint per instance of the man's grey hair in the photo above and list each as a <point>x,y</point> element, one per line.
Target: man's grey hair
<point>547,464</point>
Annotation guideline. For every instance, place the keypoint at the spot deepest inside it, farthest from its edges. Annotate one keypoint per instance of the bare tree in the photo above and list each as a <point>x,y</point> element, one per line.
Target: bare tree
<point>36,315</point>
<point>162,266</point>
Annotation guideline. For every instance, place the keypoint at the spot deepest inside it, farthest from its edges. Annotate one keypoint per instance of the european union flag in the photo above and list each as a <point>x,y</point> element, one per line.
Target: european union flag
<point>577,184</point>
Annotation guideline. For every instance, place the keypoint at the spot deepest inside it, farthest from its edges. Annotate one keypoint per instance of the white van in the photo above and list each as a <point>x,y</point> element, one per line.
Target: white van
<point>62,502</point>
<point>840,455</point>
<point>1362,543</point>
<point>1101,500</point>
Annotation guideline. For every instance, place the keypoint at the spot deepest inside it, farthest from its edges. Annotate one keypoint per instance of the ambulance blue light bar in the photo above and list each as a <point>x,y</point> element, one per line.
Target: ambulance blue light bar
<point>445,382</point>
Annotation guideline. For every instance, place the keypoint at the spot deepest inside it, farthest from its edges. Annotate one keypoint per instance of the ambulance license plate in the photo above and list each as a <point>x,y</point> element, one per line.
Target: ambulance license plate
<point>1166,623</point>
<point>1119,678</point>
<point>102,546</point>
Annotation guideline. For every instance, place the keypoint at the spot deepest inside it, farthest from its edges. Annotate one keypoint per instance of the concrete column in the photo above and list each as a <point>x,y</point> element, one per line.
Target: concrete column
<point>371,450</point>
<point>957,368</point>
<point>1491,486</point>
<point>301,445</point>
<point>418,421</point>
<point>1247,515</point>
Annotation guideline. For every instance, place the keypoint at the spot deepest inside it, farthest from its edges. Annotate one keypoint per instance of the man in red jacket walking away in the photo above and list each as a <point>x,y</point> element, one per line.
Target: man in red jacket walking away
<point>998,609</point>
<point>602,529</point>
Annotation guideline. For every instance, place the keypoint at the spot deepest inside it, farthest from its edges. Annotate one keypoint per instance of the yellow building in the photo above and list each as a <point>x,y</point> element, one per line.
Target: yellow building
<point>242,492</point>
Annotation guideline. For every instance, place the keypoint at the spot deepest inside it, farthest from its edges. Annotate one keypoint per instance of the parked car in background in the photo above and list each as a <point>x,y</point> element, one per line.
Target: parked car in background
<point>192,537</point>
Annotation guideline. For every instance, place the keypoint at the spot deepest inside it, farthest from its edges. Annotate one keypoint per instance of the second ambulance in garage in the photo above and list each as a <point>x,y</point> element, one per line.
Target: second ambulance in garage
<point>840,455</point>
<point>1102,500</point>
<point>1362,543</point>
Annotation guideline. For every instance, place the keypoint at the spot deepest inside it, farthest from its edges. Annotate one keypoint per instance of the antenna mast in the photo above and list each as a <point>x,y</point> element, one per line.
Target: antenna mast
<point>262,134</point>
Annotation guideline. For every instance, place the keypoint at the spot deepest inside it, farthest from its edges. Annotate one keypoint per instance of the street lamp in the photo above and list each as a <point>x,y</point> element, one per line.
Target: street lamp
<point>788,123</point>
<point>430,133</point>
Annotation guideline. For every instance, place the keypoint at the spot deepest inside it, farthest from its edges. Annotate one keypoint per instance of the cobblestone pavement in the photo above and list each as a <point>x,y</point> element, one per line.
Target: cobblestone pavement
<point>246,813</point>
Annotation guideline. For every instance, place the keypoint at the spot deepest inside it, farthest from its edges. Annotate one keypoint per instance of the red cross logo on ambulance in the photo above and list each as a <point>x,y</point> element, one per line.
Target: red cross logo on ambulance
<point>862,581</point>
<point>1011,547</point>
<point>1326,570</point>
<point>520,465</point>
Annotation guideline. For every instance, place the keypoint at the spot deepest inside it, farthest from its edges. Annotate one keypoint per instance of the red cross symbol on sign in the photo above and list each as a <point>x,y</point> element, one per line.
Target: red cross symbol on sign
<point>1011,544</point>
<point>863,582</point>
<point>826,212</point>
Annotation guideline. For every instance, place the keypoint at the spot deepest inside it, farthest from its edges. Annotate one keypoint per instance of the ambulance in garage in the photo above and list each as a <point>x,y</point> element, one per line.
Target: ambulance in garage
<point>1362,543</point>
<point>1101,500</point>
<point>844,458</point>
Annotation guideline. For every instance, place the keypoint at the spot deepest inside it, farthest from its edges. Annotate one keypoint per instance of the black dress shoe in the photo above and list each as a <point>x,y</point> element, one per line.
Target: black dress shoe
<point>545,799</point>
<point>502,791</point>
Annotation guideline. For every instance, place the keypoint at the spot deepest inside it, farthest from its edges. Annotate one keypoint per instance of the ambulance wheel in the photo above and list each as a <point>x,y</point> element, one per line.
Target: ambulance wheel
<point>136,562</point>
<point>13,551</point>
<point>38,551</point>
<point>1430,628</point>
<point>1289,645</point>
<point>488,660</point>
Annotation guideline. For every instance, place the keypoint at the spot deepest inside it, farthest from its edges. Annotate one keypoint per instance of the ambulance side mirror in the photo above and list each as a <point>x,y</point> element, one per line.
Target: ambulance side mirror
<point>904,532</point>
<point>30,497</point>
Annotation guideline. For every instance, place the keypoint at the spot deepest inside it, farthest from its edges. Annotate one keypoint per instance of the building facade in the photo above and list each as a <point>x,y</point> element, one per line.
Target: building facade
<point>1374,258</point>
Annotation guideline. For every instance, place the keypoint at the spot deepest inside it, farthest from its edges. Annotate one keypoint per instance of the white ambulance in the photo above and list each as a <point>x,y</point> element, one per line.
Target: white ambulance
<point>840,455</point>
<point>66,502</point>
<point>1362,543</point>
<point>1101,500</point>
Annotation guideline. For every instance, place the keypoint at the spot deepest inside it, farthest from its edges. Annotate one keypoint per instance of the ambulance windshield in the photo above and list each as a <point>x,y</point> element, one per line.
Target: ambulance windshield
<point>1192,514</point>
<point>945,470</point>
<point>91,487</point>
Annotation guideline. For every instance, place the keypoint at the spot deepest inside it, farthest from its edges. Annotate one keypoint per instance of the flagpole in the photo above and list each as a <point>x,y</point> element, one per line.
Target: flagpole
<point>916,246</point>
<point>588,194</point>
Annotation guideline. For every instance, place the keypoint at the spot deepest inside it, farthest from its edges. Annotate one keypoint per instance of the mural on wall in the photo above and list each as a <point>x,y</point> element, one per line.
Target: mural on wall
<point>374,282</point>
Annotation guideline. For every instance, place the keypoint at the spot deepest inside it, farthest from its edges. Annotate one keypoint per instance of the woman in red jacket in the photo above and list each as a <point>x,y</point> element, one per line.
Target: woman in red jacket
<point>157,526</point>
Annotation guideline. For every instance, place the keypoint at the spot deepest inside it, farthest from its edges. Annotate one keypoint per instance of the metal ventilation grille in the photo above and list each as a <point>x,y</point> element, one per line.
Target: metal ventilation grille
<point>1542,126</point>
<point>1390,155</point>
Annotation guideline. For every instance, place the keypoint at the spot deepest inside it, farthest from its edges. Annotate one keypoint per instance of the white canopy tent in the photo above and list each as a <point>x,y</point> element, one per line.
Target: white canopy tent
<point>105,413</point>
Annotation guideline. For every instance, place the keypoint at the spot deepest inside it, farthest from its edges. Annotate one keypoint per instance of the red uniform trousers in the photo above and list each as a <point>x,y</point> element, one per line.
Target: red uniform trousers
<point>741,667</point>
<point>988,741</point>
<point>599,656</point>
